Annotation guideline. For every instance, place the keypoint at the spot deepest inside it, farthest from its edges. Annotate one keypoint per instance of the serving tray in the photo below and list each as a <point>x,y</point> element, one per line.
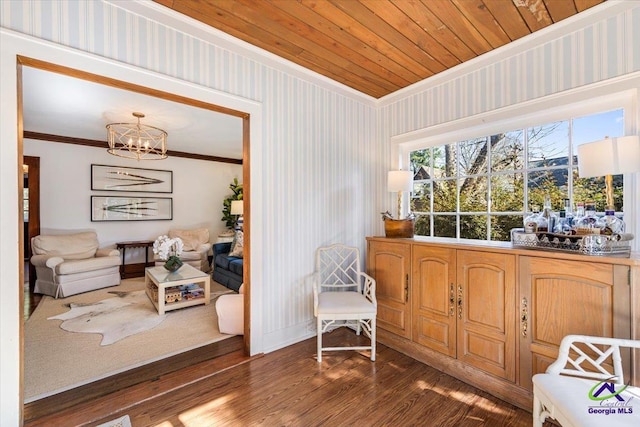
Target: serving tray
<point>589,244</point>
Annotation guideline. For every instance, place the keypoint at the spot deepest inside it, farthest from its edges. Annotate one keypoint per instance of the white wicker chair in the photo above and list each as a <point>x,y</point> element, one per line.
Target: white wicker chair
<point>580,390</point>
<point>343,296</point>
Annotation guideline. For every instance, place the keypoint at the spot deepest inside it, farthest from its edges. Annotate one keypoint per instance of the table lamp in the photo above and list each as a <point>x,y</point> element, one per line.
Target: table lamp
<point>399,181</point>
<point>237,208</point>
<point>610,156</point>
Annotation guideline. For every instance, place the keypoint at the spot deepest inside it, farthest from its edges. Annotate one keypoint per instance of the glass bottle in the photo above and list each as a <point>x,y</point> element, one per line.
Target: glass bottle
<point>531,220</point>
<point>588,224</point>
<point>568,211</point>
<point>610,223</point>
<point>578,215</point>
<point>563,226</point>
<point>547,218</point>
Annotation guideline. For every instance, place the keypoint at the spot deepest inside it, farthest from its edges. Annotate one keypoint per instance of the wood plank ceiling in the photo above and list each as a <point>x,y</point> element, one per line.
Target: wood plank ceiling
<point>379,46</point>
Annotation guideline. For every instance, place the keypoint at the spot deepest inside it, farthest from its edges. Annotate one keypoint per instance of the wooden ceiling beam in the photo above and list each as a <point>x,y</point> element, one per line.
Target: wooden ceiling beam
<point>103,145</point>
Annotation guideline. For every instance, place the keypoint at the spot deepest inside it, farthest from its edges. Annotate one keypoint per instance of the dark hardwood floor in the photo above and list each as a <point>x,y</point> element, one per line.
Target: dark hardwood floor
<point>289,388</point>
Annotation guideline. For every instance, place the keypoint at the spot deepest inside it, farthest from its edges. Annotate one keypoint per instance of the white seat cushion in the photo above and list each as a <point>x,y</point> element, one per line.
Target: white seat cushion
<point>344,303</point>
<point>570,397</point>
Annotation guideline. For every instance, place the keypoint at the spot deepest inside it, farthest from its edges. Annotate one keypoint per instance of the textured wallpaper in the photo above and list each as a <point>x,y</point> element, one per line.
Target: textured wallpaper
<point>325,154</point>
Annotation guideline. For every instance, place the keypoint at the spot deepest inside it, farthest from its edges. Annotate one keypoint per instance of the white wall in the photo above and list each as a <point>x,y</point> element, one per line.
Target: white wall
<point>199,187</point>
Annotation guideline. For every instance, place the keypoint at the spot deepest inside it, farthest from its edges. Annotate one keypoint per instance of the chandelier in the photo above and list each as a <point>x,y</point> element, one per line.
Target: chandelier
<point>137,141</point>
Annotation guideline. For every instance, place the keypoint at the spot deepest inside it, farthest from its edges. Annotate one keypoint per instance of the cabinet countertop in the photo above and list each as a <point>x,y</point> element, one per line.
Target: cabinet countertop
<point>506,247</point>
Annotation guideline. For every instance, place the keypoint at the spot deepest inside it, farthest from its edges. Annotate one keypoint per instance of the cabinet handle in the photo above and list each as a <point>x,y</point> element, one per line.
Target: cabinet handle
<point>406,288</point>
<point>459,301</point>
<point>524,317</point>
<point>452,300</point>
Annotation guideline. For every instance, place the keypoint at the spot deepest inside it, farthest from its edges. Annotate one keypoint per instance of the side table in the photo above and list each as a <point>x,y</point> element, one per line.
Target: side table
<point>134,270</point>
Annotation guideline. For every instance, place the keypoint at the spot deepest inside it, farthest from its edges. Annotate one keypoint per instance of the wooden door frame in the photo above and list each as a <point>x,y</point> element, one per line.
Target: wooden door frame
<point>95,78</point>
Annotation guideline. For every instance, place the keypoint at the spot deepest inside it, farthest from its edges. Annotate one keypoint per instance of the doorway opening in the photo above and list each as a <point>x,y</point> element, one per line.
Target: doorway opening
<point>28,233</point>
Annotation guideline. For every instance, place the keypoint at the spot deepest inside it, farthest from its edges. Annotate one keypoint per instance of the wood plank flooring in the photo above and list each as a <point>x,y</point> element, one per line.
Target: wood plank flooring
<point>289,388</point>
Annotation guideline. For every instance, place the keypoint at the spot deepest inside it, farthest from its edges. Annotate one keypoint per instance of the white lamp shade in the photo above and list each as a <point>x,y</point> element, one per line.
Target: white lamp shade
<point>400,181</point>
<point>237,207</point>
<point>611,156</point>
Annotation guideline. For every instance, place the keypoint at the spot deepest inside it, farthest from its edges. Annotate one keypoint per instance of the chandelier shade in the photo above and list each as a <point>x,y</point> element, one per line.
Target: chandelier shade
<point>136,140</point>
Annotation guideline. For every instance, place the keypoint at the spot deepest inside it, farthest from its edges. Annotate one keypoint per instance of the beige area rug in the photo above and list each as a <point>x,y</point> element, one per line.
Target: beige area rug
<point>56,360</point>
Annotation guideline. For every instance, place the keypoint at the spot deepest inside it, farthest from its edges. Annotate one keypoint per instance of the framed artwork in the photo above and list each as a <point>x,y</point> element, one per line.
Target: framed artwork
<point>123,208</point>
<point>122,178</point>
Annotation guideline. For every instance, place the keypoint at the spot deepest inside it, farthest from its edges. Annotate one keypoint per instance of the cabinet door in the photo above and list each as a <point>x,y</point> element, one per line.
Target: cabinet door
<point>389,263</point>
<point>433,295</point>
<point>559,298</point>
<point>486,312</point>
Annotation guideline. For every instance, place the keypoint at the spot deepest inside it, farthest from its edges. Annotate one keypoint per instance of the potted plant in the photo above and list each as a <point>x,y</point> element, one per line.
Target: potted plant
<point>230,220</point>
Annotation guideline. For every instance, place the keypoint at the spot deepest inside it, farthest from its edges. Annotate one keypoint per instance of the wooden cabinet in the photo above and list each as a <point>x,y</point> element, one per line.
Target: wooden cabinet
<point>464,306</point>
<point>558,298</point>
<point>492,315</point>
<point>389,263</point>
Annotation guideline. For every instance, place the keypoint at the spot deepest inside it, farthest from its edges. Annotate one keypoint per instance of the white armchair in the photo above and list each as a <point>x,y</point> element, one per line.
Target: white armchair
<point>70,264</point>
<point>586,387</point>
<point>343,296</point>
<point>196,247</point>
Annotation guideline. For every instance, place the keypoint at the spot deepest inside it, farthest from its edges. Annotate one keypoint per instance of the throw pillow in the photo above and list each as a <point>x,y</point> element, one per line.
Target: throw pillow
<point>192,239</point>
<point>238,248</point>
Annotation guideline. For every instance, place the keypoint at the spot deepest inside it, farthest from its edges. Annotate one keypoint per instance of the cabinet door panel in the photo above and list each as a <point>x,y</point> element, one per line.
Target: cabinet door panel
<point>389,264</point>
<point>487,312</point>
<point>433,295</point>
<point>562,298</point>
<point>481,347</point>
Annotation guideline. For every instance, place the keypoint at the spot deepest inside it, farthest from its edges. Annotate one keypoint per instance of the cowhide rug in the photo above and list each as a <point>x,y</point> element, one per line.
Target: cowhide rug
<point>115,318</point>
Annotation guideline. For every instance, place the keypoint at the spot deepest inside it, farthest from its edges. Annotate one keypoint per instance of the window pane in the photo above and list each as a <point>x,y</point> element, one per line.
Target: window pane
<point>507,152</point>
<point>548,145</point>
<point>473,157</point>
<point>444,225</point>
<point>445,195</point>
<point>473,194</point>
<point>423,226</point>
<point>595,189</point>
<point>473,227</point>
<point>597,126</point>
<point>421,199</point>
<point>444,165</point>
<point>501,226</point>
<point>507,193</point>
<point>552,182</point>
<point>420,163</point>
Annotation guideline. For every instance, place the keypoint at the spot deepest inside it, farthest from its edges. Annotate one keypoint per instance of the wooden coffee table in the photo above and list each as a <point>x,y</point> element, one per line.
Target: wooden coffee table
<point>170,291</point>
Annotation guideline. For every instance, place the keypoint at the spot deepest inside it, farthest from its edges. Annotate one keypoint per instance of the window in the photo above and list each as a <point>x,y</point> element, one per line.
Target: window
<point>480,188</point>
